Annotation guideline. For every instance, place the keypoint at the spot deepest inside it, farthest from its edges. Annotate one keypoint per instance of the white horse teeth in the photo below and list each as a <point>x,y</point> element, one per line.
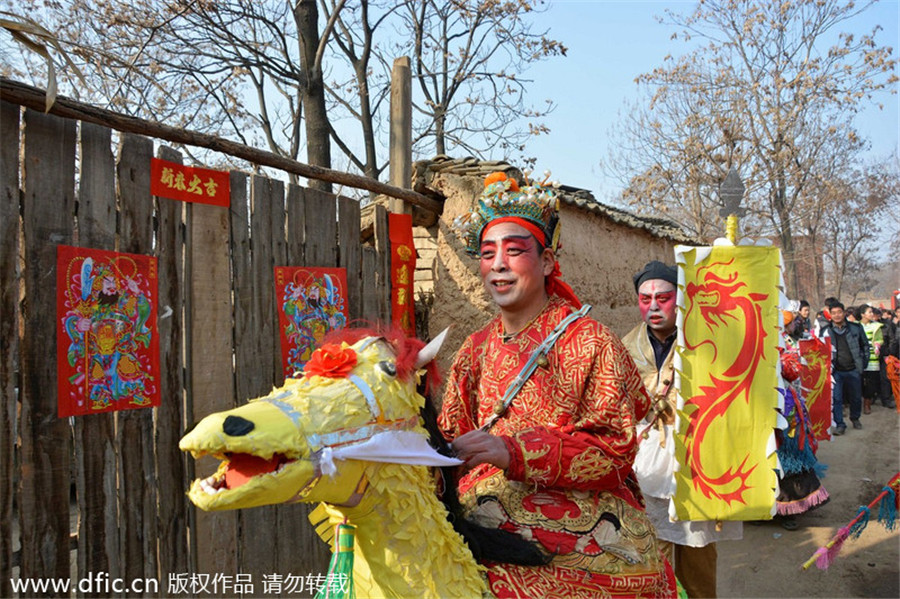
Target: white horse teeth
<point>211,486</point>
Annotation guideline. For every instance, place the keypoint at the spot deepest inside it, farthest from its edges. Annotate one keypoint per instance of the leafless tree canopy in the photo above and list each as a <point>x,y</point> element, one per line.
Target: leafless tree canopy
<point>299,76</point>
<point>769,88</point>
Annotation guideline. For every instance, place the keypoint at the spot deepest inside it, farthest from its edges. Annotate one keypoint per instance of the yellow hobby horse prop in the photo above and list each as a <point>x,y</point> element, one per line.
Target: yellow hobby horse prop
<point>352,433</point>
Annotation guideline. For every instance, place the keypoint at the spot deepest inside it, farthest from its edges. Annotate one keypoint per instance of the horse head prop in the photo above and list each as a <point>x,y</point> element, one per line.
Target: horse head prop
<point>350,434</point>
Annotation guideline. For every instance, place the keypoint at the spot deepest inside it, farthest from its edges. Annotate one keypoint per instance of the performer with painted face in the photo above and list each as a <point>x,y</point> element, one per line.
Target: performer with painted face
<point>542,404</point>
<point>690,546</point>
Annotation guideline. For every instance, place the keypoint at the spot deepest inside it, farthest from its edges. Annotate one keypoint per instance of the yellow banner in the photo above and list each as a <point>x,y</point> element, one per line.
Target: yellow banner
<point>726,363</point>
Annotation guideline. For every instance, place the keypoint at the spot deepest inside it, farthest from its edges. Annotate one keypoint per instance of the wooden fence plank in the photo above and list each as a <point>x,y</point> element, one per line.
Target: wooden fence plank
<point>242,285</point>
<point>320,238</point>
<point>267,195</point>
<point>257,367</point>
<point>95,443</point>
<point>297,546</point>
<point>382,264</point>
<point>49,178</point>
<point>171,467</point>
<point>137,466</point>
<point>296,215</point>
<point>278,250</point>
<point>369,304</point>
<point>210,384</point>
<point>9,330</point>
<point>350,252</point>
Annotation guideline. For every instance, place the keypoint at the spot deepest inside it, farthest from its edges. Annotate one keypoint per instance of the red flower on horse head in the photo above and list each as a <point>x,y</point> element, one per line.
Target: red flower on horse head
<point>332,360</point>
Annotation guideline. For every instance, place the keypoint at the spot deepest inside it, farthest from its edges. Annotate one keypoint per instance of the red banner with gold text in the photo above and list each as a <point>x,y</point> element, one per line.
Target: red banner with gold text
<point>403,269</point>
<point>189,183</point>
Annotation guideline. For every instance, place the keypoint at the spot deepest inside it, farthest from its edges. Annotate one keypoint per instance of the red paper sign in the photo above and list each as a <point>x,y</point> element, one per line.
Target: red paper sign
<point>107,338</point>
<point>815,379</point>
<point>403,270</point>
<point>189,183</point>
<point>312,302</point>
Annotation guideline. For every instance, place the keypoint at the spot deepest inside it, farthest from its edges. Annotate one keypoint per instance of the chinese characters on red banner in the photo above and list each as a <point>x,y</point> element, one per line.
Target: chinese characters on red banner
<point>189,183</point>
<point>107,338</point>
<point>403,269</point>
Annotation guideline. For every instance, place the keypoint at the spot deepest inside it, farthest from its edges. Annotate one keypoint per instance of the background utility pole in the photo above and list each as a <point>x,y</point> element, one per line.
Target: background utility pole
<point>401,132</point>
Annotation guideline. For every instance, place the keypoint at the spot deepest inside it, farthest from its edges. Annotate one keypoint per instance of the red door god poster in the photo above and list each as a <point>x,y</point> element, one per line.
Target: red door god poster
<point>312,302</point>
<point>107,337</point>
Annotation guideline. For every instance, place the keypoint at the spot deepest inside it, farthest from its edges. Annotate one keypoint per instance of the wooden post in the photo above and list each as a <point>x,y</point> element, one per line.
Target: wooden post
<point>210,378</point>
<point>49,196</point>
<point>95,446</point>
<point>9,337</point>
<point>401,132</point>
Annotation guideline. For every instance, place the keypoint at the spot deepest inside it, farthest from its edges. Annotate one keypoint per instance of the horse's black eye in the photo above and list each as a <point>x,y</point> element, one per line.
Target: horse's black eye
<point>388,368</point>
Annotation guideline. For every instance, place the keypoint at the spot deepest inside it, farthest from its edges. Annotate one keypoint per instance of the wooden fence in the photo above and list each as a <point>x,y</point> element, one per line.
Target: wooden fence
<point>112,486</point>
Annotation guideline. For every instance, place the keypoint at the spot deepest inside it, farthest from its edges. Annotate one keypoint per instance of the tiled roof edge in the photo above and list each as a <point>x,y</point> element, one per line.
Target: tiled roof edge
<point>580,199</point>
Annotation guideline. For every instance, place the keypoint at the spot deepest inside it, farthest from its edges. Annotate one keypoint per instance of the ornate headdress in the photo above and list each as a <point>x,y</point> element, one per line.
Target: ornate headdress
<point>536,204</point>
<point>534,207</point>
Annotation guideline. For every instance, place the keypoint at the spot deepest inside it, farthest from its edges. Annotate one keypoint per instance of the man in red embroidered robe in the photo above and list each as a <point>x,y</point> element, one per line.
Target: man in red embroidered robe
<point>556,467</point>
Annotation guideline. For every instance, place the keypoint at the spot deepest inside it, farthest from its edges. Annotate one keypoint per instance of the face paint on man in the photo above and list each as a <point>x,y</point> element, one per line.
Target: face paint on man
<point>656,300</point>
<point>513,270</point>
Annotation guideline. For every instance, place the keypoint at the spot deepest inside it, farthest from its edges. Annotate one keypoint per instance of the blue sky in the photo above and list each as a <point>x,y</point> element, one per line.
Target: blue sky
<point>610,43</point>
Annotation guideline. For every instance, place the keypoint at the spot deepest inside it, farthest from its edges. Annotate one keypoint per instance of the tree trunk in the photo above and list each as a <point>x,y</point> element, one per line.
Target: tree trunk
<point>365,111</point>
<point>439,143</point>
<point>312,95</point>
<point>784,230</point>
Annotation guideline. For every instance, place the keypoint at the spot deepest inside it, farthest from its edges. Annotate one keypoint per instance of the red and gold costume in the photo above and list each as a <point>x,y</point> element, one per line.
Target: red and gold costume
<point>571,437</point>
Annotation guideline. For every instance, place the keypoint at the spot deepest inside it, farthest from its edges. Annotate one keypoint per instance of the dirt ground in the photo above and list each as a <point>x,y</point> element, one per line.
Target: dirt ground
<point>768,561</point>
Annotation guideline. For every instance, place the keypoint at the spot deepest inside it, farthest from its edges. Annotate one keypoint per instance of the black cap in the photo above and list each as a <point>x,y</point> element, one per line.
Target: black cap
<point>656,270</point>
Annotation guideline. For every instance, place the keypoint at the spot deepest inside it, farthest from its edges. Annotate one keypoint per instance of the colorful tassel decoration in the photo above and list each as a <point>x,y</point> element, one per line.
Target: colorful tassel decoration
<point>887,509</point>
<point>860,522</point>
<point>339,581</point>
<point>825,556</point>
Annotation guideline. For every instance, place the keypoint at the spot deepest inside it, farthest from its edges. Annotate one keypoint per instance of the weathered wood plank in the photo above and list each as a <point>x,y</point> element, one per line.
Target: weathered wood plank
<point>382,265</point>
<point>369,307</point>
<point>210,384</point>
<point>171,467</point>
<point>256,370</point>
<point>296,215</point>
<point>9,330</point>
<point>242,284</point>
<point>320,238</point>
<point>95,442</point>
<point>137,465</point>
<point>267,196</point>
<point>350,252</point>
<point>49,196</point>
<point>278,222</point>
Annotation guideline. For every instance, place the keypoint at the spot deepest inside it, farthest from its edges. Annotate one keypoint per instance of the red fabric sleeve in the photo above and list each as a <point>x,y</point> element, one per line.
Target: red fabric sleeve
<point>458,410</point>
<point>597,450</point>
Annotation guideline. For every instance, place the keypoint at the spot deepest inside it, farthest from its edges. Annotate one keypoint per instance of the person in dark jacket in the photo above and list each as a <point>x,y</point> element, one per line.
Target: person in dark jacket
<point>823,317</point>
<point>849,355</point>
<point>800,327</point>
<point>889,348</point>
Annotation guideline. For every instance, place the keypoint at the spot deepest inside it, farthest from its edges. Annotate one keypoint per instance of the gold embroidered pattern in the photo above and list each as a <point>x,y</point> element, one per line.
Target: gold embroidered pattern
<point>589,464</point>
